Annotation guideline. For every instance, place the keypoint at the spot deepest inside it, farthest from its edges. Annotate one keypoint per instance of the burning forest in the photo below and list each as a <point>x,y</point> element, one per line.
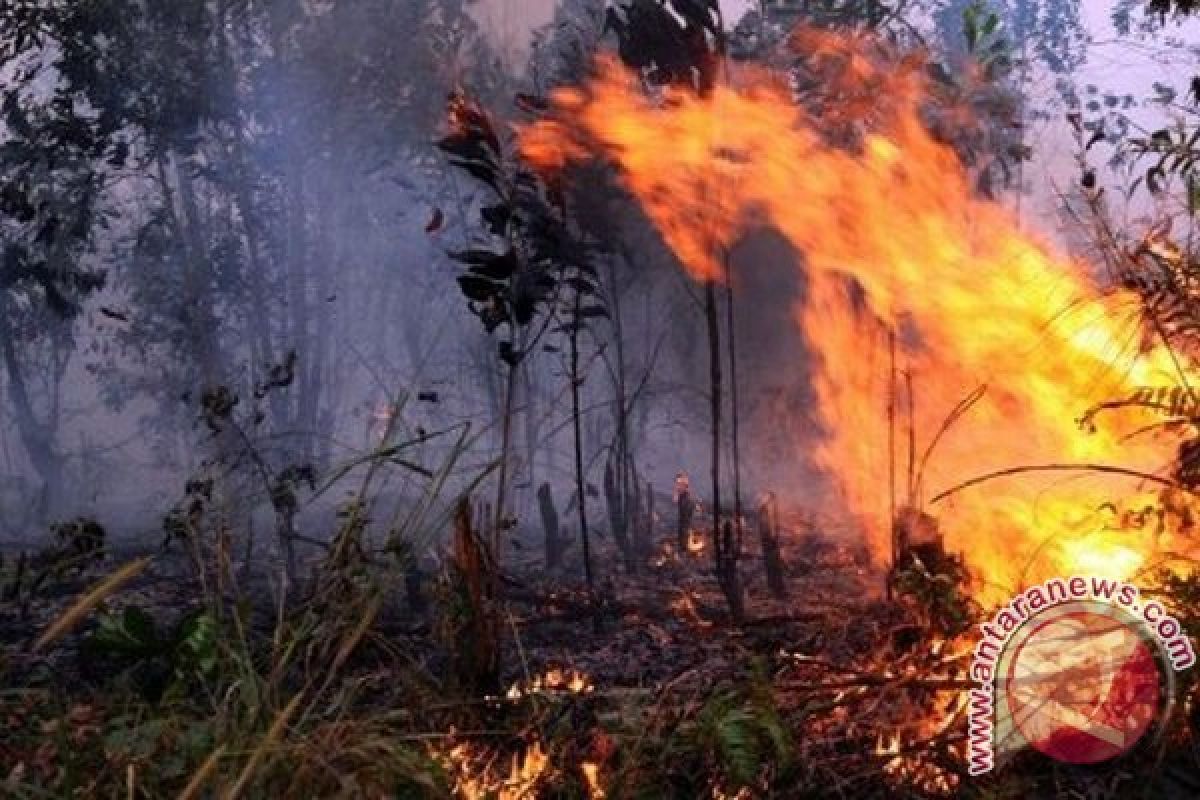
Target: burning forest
<point>644,398</point>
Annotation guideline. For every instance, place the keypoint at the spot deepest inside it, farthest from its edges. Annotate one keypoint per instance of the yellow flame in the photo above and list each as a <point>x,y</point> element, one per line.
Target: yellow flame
<point>474,782</point>
<point>552,680</point>
<point>894,238</point>
<point>591,774</point>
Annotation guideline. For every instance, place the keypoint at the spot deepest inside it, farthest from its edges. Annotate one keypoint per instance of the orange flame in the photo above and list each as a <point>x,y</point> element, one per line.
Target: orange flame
<point>474,781</point>
<point>568,681</point>
<point>894,238</point>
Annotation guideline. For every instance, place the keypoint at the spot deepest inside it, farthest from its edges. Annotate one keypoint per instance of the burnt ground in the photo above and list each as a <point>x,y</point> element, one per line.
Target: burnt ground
<point>832,691</point>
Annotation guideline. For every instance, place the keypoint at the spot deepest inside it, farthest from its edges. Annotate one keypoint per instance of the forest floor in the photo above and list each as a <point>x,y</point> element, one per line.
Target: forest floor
<point>651,692</point>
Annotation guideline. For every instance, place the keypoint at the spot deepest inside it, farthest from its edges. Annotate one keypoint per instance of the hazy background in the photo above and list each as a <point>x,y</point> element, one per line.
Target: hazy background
<point>345,180</point>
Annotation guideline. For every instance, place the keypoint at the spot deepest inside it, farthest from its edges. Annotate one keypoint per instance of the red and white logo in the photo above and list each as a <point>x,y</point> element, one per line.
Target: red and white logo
<point>1082,686</point>
<point>1079,669</point>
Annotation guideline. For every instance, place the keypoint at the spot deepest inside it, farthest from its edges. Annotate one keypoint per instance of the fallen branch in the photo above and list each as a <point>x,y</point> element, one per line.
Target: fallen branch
<point>865,681</point>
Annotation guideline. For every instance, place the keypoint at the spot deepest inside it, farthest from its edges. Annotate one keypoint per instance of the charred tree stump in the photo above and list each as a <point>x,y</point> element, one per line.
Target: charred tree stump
<point>727,572</point>
<point>918,538</point>
<point>473,624</point>
<point>768,533</point>
<point>685,510</point>
<point>927,577</point>
<point>553,536</point>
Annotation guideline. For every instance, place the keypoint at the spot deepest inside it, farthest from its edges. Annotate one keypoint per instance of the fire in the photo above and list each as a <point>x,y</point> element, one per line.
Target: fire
<point>475,781</point>
<point>552,680</point>
<point>684,607</point>
<point>888,745</point>
<point>895,240</point>
<point>591,775</point>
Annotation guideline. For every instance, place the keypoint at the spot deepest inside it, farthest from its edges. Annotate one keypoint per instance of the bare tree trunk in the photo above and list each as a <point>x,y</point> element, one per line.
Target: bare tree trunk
<point>614,498</point>
<point>648,520</point>
<point>198,307</point>
<point>553,537</point>
<point>531,429</point>
<point>735,554</point>
<point>722,535</point>
<point>259,323</point>
<point>624,456</point>
<point>714,377</point>
<point>575,423</point>
<point>37,436</point>
<point>498,522</point>
<point>633,517</point>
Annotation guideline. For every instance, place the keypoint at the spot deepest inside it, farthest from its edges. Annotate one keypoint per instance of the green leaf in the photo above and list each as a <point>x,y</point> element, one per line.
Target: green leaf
<point>131,633</point>
<point>196,644</point>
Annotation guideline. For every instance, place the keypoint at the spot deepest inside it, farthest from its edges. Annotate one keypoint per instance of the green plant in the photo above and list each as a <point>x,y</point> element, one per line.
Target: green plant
<point>154,659</point>
<point>742,734</point>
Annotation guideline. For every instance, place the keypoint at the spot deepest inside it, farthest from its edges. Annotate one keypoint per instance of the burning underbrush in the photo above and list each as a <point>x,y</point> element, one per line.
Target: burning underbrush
<point>831,691</point>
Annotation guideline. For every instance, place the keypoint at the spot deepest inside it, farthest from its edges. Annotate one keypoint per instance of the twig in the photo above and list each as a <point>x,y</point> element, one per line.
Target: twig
<point>955,414</point>
<point>1106,468</point>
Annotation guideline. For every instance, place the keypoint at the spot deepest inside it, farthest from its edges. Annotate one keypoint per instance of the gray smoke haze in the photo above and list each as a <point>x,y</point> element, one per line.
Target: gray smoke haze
<point>313,216</point>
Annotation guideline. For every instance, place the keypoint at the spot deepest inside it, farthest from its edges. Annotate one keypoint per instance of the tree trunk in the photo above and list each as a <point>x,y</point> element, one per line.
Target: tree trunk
<point>648,519</point>
<point>685,508</point>
<point>553,538</point>
<point>498,522</point>
<point>579,482</point>
<point>475,624</point>
<point>532,430</point>
<point>768,533</point>
<point>618,519</point>
<point>735,556</point>
<point>621,480</point>
<point>633,517</point>
<point>37,436</point>
<point>723,536</point>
